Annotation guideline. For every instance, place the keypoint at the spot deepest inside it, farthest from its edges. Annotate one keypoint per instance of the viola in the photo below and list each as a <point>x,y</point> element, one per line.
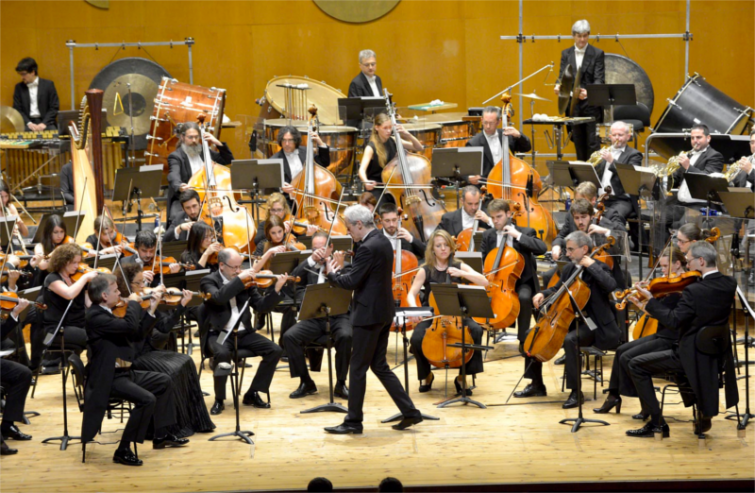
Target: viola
<point>444,331</point>
<point>659,287</point>
<point>119,310</point>
<point>645,326</point>
<point>9,301</point>
<point>85,269</point>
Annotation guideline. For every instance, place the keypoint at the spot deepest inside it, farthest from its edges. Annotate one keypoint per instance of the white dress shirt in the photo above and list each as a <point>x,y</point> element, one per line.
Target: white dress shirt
<point>294,163</point>
<point>235,315</point>
<point>467,221</point>
<point>495,146</point>
<point>608,174</point>
<point>709,273</point>
<point>579,55</point>
<point>695,156</point>
<point>499,237</point>
<point>33,104</point>
<point>373,84</point>
<point>314,265</point>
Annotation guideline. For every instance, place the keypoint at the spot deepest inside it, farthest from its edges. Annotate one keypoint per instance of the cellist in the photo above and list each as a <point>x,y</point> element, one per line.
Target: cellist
<point>599,309</point>
<point>464,218</point>
<point>440,267</point>
<point>389,218</point>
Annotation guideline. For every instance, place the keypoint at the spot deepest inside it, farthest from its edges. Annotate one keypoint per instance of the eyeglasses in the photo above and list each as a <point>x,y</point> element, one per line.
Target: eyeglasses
<point>233,267</point>
<point>679,240</point>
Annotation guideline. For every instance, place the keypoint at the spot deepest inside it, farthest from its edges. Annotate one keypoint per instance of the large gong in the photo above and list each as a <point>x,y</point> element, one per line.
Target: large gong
<point>144,76</point>
<point>623,70</point>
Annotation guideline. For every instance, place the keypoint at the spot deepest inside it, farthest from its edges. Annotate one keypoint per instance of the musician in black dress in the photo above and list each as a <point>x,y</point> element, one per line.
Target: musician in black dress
<point>16,380</point>
<point>35,98</point>
<point>381,150</point>
<point>54,234</point>
<point>201,247</point>
<point>179,225</point>
<point>440,267</point>
<point>389,218</point>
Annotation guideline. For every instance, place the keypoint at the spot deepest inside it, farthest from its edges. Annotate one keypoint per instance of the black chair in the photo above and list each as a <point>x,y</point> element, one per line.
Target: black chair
<point>637,115</point>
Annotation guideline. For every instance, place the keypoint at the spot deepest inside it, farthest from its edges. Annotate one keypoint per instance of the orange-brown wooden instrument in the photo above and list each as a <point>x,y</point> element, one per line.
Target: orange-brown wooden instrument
<point>9,301</point>
<point>645,326</point>
<point>445,330</point>
<point>405,266</point>
<point>85,269</point>
<point>503,268</point>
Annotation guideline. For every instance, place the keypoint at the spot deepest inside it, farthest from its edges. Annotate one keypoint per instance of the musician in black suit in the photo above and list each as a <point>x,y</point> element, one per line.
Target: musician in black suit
<point>589,61</point>
<point>619,203</point>
<point>491,141</point>
<point>35,98</point>
<point>16,380</point>
<point>372,312</point>
<point>145,245</point>
<point>109,372</point>
<point>599,309</point>
<point>227,295</point>
<point>389,218</point>
<point>457,221</point>
<point>188,158</point>
<point>705,303</point>
<point>66,184</point>
<point>295,156</point>
<point>180,224</point>
<point>746,175</point>
<point>703,159</point>
<point>366,84</point>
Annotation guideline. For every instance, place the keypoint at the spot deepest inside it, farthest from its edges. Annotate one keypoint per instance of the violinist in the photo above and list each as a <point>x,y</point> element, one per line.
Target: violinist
<point>689,234</point>
<point>381,150</point>
<point>180,224</point>
<point>491,141</point>
<point>665,338</point>
<point>705,303</point>
<point>227,295</point>
<point>54,234</point>
<point>619,203</point>
<point>201,247</point>
<point>145,245</point>
<point>16,380</point>
<point>277,205</point>
<point>306,331</point>
<point>368,200</point>
<point>6,206</point>
<point>440,267</point>
<point>525,241</point>
<point>275,234</point>
<point>105,243</point>
<point>389,218</point>
<point>457,221</point>
<point>187,159</point>
<point>599,309</point>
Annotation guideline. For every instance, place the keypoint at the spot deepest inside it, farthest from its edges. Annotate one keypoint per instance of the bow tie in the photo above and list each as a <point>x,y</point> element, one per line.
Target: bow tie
<point>579,52</point>
<point>33,84</point>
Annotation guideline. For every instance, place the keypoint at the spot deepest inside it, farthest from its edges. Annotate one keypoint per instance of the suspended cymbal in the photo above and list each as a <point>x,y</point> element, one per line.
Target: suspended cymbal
<point>10,120</point>
<point>567,84</point>
<point>531,95</point>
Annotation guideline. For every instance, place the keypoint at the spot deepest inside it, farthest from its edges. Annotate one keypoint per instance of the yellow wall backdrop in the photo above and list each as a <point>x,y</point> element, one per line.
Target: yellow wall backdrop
<point>426,49</point>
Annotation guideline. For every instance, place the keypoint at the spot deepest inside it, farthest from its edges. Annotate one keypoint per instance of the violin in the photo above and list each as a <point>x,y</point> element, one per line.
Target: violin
<point>161,265</point>
<point>119,310</point>
<point>173,296</point>
<point>645,326</point>
<point>85,269</point>
<point>6,271</point>
<point>445,330</point>
<point>265,279</point>
<point>9,300</point>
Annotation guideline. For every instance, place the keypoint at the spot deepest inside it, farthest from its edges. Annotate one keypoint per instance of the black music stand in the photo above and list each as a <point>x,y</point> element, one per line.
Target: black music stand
<point>739,204</point>
<point>584,172</point>
<point>137,184</point>
<point>454,163</point>
<point>173,248</point>
<point>356,109</point>
<point>6,227</point>
<point>106,261</point>
<point>609,95</point>
<point>190,280</point>
<point>561,175</point>
<point>325,300</point>
<point>706,188</point>
<point>472,259</point>
<point>638,181</point>
<point>463,301</point>
<point>257,176</point>
<point>342,243</point>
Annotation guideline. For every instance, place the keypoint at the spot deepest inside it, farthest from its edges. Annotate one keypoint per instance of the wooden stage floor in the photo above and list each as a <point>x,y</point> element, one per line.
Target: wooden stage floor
<point>515,444</point>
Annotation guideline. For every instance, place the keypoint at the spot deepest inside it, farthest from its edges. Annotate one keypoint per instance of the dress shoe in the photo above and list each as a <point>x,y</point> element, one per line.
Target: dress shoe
<point>341,391</point>
<point>532,391</point>
<point>560,361</point>
<point>649,430</point>
<point>702,424</point>
<point>6,450</point>
<point>641,415</point>
<point>344,429</point>
<point>50,370</point>
<point>573,402</point>
<point>609,404</point>
<point>407,422</point>
<point>253,399</point>
<point>459,389</point>
<point>305,389</point>
<point>427,386</point>
<point>217,408</point>
<point>169,440</point>
<point>126,457</point>
<point>12,432</point>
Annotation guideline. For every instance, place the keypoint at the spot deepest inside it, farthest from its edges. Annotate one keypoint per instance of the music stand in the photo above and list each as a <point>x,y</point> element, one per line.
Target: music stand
<point>137,183</point>
<point>257,176</point>
<point>638,181</point>
<point>610,95</point>
<point>325,300</point>
<point>355,109</point>
<point>739,204</point>
<point>706,188</point>
<point>306,241</point>
<point>457,162</point>
<point>463,301</point>
<point>6,227</point>
<point>173,248</point>
<point>584,172</point>
<point>472,259</point>
<point>106,261</point>
<point>561,175</point>
<point>285,263</point>
<point>342,243</point>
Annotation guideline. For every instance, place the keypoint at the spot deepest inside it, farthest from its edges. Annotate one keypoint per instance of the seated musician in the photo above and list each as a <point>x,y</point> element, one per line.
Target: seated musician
<point>16,380</point>
<point>275,236</point>
<point>746,176</point>
<point>5,197</point>
<point>366,84</point>
<point>368,200</point>
<point>109,373</point>
<point>145,245</point>
<point>619,205</point>
<point>35,98</point>
<point>597,276</point>
<point>389,217</point>
<point>525,241</point>
<point>105,243</point>
<point>187,159</point>
<point>491,140</point>
<point>440,267</point>
<point>689,234</point>
<point>150,355</point>
<point>307,331</point>
<point>665,338</point>
<point>200,247</point>
<point>54,234</point>
<point>277,205</point>
<point>228,295</point>
<point>705,303</point>
<point>179,225</point>
<point>66,185</point>
<point>457,221</point>
<point>585,190</point>
<point>294,156</point>
<point>381,150</point>
<point>703,159</point>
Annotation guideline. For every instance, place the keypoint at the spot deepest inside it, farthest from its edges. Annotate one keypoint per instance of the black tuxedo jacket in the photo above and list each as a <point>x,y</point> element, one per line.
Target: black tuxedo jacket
<point>451,222</point>
<point>522,144</point>
<point>599,308</point>
<point>705,303</point>
<point>630,155</point>
<point>360,87</point>
<point>47,102</point>
<point>745,180</point>
<point>370,275</point>
<point>593,71</point>
<point>417,246</point>
<point>66,182</point>
<point>170,229</point>
<point>180,169</point>
<point>711,161</point>
<point>322,157</point>
<point>528,245</point>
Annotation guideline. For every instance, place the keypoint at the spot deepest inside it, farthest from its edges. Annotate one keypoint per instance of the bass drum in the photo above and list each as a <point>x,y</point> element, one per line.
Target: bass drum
<point>699,102</point>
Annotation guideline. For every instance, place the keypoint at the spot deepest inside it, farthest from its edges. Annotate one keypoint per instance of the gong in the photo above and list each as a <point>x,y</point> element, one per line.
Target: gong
<point>623,70</point>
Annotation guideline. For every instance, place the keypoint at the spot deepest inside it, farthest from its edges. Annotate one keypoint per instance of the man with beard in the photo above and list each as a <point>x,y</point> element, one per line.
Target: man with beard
<point>180,224</point>
<point>389,217</point>
<point>187,159</point>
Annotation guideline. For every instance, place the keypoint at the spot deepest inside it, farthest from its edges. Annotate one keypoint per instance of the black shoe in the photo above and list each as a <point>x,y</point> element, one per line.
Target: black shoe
<point>341,391</point>
<point>305,389</point>
<point>344,429</point>
<point>217,408</point>
<point>50,370</point>
<point>702,423</point>
<point>169,440</point>
<point>609,404</point>
<point>407,422</point>
<point>572,401</point>
<point>15,434</point>
<point>126,457</point>
<point>254,399</point>
<point>284,359</point>
<point>459,389</point>
<point>560,361</point>
<point>532,391</point>
<point>641,415</point>
<point>649,430</point>
<point>427,387</point>
<point>6,450</point>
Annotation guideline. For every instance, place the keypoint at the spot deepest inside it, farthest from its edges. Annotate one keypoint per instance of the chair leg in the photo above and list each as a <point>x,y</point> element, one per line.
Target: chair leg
<point>83,452</point>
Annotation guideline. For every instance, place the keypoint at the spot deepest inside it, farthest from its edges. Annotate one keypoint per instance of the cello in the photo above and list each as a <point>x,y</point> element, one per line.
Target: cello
<point>445,330</point>
<point>513,179</point>
<point>407,178</point>
<point>405,265</point>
